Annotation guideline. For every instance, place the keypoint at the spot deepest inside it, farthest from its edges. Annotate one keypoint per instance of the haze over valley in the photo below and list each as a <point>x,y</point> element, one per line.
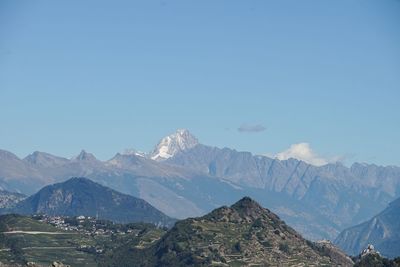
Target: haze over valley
<point>199,133</point>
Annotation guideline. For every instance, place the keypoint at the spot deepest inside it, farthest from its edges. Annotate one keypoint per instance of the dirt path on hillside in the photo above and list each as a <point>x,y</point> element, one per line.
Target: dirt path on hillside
<point>38,233</point>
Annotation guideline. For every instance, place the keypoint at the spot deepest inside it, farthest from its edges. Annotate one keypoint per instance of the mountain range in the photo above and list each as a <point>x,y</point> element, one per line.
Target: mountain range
<point>383,231</point>
<point>81,196</point>
<point>243,234</point>
<point>184,178</point>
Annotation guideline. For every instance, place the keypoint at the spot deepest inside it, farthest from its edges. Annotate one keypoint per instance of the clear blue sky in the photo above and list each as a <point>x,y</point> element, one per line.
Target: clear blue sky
<point>110,75</point>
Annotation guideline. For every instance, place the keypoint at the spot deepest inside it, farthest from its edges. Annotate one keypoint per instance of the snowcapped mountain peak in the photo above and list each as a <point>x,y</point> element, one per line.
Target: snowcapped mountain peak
<point>170,145</point>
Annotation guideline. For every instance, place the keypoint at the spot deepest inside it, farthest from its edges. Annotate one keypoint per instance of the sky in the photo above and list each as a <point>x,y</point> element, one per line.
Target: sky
<point>318,80</point>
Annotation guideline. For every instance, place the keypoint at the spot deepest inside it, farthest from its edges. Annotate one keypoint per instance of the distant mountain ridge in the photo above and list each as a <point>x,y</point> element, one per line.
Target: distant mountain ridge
<point>337,193</point>
<point>43,159</point>
<point>81,196</point>
<point>319,202</point>
<point>383,231</point>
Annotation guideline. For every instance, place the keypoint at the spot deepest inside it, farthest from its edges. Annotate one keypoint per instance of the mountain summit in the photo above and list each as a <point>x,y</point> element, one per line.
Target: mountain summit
<point>244,234</point>
<point>81,196</point>
<point>170,145</point>
<point>85,156</point>
<point>46,160</point>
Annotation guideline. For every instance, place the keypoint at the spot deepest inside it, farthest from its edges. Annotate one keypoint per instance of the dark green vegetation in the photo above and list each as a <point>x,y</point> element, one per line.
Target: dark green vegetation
<point>376,260</point>
<point>81,196</point>
<point>243,234</point>
<point>383,231</point>
<point>43,243</point>
<point>14,222</point>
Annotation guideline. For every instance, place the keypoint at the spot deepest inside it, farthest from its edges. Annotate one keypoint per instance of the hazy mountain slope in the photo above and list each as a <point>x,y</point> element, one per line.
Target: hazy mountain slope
<point>244,234</point>
<point>10,199</point>
<point>17,175</point>
<point>291,176</point>
<point>51,168</point>
<point>338,194</point>
<point>130,174</point>
<point>12,166</point>
<point>141,166</point>
<point>45,160</point>
<point>383,231</point>
<point>61,169</point>
<point>81,196</point>
<point>40,169</point>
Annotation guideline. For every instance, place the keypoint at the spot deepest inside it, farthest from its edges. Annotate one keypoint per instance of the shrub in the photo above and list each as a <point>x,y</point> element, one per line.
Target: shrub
<point>237,247</point>
<point>284,247</point>
<point>266,243</point>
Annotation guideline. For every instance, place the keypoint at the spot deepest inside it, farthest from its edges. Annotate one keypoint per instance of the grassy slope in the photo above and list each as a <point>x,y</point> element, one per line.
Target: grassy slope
<point>46,248</point>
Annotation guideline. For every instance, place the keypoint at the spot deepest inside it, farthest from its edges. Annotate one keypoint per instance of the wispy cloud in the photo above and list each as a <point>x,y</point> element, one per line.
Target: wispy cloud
<point>251,128</point>
<point>304,152</point>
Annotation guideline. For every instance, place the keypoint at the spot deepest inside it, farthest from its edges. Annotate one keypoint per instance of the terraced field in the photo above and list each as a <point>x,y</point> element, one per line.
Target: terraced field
<point>24,239</point>
<point>244,234</point>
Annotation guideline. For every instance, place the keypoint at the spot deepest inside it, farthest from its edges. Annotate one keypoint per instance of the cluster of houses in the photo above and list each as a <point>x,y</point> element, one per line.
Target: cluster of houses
<point>83,224</point>
<point>88,226</point>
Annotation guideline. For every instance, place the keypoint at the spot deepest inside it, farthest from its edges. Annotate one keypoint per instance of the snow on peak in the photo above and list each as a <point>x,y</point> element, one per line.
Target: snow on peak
<point>170,145</point>
<point>131,151</point>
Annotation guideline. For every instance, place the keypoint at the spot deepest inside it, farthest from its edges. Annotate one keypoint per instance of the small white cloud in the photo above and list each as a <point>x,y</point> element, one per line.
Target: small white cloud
<point>303,151</point>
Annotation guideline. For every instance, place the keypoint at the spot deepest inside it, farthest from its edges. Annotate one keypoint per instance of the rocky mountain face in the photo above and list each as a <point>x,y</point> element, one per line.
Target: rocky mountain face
<point>172,144</point>
<point>81,196</point>
<point>9,199</point>
<point>383,231</point>
<point>192,179</point>
<point>291,176</point>
<point>244,234</point>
